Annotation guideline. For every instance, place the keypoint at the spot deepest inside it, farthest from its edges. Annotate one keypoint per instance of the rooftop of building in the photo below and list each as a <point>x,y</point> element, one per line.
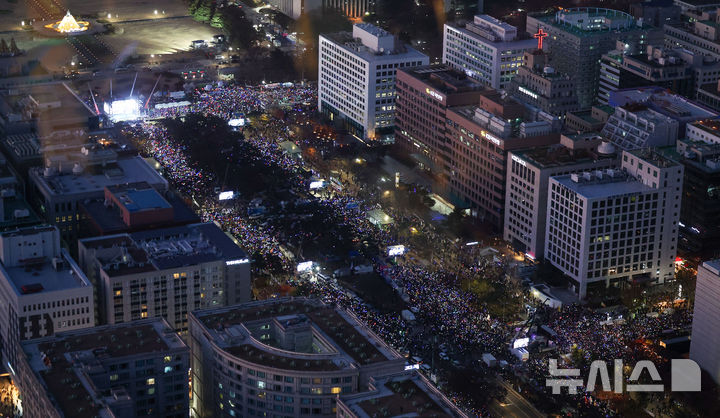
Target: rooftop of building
<point>401,395</point>
<point>712,265</point>
<point>612,182</point>
<point>698,154</point>
<point>347,339</point>
<point>652,157</point>
<point>609,20</point>
<point>16,212</point>
<point>162,249</point>
<point>711,126</point>
<point>138,199</point>
<point>662,101</point>
<point>107,219</point>
<point>642,111</point>
<point>444,78</point>
<point>42,274</point>
<point>522,40</point>
<point>58,360</point>
<point>355,47</point>
<point>559,156</point>
<point>95,178</point>
<point>667,62</point>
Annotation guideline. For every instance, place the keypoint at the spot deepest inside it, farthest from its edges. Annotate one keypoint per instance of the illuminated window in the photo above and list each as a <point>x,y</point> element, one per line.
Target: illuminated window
<point>113,377</point>
<point>176,275</point>
<point>118,293</point>
<point>151,391</point>
<point>168,369</point>
<point>143,314</point>
<point>316,391</point>
<point>150,381</point>
<point>335,390</point>
<point>261,384</point>
<point>167,359</point>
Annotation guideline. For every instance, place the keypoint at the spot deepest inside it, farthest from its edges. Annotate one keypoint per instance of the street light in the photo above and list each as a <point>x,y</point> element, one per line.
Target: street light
<point>109,16</point>
<point>156,12</point>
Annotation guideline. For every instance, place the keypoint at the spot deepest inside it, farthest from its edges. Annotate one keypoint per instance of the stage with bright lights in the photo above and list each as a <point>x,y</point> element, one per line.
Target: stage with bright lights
<point>126,110</point>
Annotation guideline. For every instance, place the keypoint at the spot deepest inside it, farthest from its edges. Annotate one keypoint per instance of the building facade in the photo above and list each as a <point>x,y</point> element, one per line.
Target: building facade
<point>705,336</point>
<point>480,139</point>
<point>423,96</point>
<point>608,228</point>
<point>486,49</point>
<point>351,8</point>
<point>539,85</point>
<point>356,79</point>
<point>43,289</point>
<point>286,357</point>
<point>165,272</point>
<point>701,37</point>
<point>124,371</point>
<point>579,36</point>
<point>700,209</point>
<point>526,190</point>
<point>296,8</point>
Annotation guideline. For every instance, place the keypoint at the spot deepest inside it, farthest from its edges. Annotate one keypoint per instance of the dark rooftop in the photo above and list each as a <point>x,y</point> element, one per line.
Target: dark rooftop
<point>116,341</point>
<point>161,249</point>
<point>554,155</point>
<point>327,319</point>
<point>104,220</point>
<point>444,78</point>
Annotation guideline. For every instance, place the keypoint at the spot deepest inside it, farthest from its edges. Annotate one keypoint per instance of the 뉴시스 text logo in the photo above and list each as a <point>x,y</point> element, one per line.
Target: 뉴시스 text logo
<point>684,376</point>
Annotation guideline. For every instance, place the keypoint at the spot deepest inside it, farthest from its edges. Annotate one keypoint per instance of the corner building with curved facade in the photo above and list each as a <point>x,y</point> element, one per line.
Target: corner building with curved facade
<point>282,358</point>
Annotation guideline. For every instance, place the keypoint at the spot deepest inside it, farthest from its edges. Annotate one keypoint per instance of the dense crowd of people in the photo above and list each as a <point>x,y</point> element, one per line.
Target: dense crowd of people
<point>444,311</point>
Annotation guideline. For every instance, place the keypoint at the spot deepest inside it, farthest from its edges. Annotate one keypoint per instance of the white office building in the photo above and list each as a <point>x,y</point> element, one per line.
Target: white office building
<point>486,49</point>
<point>165,272</point>
<point>356,78</point>
<point>42,289</point>
<point>705,327</point>
<point>526,190</point>
<point>610,227</point>
<point>296,8</point>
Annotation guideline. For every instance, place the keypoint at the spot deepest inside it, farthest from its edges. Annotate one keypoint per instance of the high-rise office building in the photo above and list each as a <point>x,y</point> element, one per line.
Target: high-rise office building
<point>356,79</point>
<point>423,96</point>
<point>127,370</point>
<point>165,272</point>
<point>290,357</point>
<point>700,208</point>
<point>479,138</point>
<point>43,291</point>
<point>613,227</point>
<point>486,49</point>
<point>528,174</point>
<point>705,326</point>
<point>578,38</point>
